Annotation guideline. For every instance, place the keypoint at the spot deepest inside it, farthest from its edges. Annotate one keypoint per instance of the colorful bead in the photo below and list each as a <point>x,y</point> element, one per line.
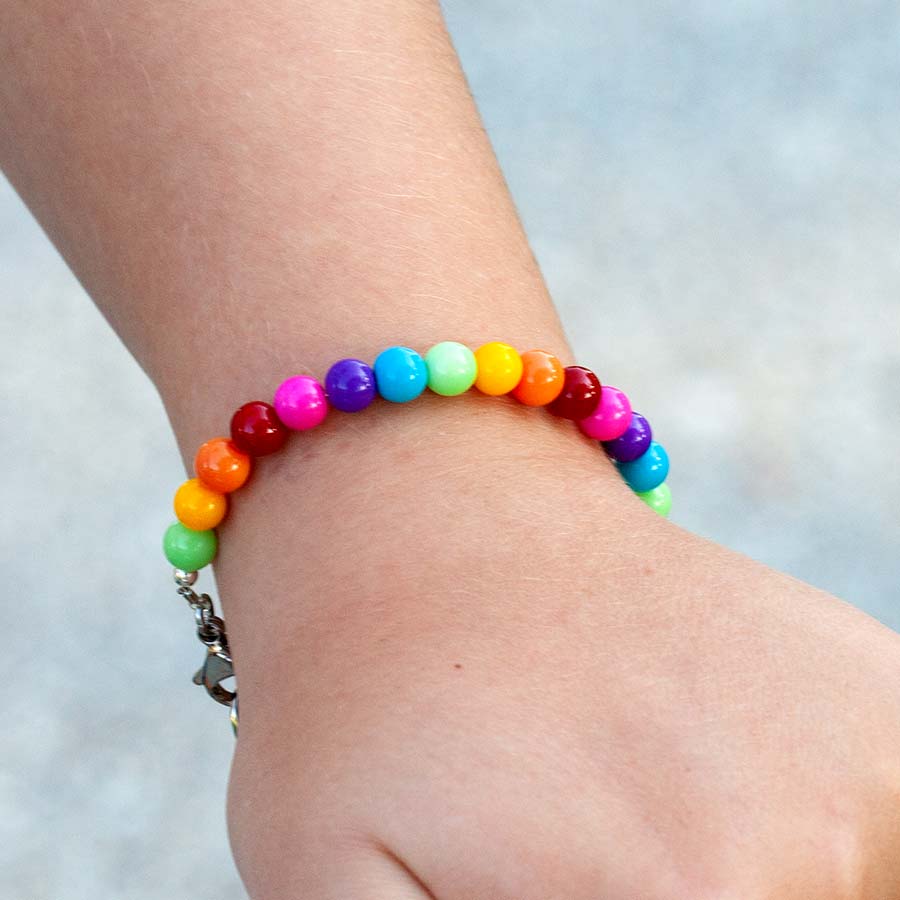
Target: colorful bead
<point>499,368</point>
<point>647,471</point>
<point>187,549</point>
<point>633,442</point>
<point>400,374</point>
<point>451,368</point>
<point>300,402</point>
<point>542,379</point>
<point>659,499</point>
<point>611,418</point>
<point>580,395</point>
<point>350,385</point>
<point>221,466</point>
<point>199,507</point>
<point>257,430</point>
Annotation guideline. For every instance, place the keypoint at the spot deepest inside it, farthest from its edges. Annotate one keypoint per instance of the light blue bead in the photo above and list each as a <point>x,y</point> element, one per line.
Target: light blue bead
<point>400,374</point>
<point>647,471</point>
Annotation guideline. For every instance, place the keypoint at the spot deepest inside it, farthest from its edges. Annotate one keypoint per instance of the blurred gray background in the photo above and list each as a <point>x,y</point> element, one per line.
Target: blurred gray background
<point>712,191</point>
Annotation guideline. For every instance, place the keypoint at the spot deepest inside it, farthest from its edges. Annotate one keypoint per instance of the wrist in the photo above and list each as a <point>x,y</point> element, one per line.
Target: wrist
<point>422,506</point>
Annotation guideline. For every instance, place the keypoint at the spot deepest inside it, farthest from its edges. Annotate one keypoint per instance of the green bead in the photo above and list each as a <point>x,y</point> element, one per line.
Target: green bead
<point>660,499</point>
<point>187,549</point>
<point>451,368</point>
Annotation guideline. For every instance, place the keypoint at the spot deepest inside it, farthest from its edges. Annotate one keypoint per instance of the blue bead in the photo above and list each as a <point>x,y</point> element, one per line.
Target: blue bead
<point>647,471</point>
<point>400,374</point>
<point>633,443</point>
<point>350,385</point>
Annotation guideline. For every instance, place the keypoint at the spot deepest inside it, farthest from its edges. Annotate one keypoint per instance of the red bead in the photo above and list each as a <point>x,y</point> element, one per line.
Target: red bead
<point>580,395</point>
<point>257,430</point>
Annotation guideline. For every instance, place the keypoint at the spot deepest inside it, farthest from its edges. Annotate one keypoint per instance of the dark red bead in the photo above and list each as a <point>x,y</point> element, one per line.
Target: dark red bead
<point>580,395</point>
<point>257,430</point>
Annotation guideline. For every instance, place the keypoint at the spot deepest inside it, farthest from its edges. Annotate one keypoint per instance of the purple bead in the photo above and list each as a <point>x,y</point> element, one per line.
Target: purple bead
<point>633,443</point>
<point>350,385</point>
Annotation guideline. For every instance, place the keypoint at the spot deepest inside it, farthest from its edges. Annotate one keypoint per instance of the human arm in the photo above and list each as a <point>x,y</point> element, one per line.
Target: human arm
<point>243,202</point>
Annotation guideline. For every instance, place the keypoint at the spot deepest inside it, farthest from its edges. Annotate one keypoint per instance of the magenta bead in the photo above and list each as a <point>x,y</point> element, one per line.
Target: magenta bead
<point>300,402</point>
<point>612,418</point>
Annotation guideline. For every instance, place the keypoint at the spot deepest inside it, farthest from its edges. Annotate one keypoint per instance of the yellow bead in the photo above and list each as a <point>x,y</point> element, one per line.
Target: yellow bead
<point>199,507</point>
<point>499,368</point>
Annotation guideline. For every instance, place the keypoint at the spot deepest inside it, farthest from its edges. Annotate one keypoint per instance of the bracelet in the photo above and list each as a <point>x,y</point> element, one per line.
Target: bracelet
<point>399,375</point>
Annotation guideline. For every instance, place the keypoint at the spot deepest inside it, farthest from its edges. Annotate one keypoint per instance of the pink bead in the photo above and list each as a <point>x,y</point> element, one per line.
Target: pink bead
<point>300,402</point>
<point>612,418</point>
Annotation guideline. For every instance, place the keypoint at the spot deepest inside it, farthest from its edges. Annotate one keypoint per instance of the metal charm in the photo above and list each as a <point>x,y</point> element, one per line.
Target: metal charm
<point>217,664</point>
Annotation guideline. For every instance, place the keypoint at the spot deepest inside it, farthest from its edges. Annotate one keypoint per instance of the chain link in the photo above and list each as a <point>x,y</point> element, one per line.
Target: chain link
<point>217,664</point>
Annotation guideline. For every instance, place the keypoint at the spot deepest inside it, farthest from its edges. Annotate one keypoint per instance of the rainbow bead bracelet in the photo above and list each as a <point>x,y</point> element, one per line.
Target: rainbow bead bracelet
<point>399,375</point>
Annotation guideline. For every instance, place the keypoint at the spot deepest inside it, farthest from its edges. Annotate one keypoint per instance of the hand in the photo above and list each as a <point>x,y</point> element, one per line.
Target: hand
<point>563,696</point>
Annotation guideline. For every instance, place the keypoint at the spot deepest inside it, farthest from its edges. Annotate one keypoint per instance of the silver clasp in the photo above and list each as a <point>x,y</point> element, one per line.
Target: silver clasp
<point>217,664</point>
<point>216,668</point>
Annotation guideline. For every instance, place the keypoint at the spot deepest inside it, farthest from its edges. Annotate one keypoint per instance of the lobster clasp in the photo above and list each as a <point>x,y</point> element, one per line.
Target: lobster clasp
<point>216,668</point>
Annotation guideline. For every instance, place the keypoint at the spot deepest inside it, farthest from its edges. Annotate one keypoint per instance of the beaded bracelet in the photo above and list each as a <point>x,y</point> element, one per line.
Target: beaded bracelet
<point>535,378</point>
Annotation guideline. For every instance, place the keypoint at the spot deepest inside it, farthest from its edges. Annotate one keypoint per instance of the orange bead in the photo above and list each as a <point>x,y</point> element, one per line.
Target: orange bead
<point>221,466</point>
<point>542,380</point>
<point>198,507</point>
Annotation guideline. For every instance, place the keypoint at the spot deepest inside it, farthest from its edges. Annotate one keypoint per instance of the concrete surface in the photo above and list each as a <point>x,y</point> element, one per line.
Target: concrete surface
<point>712,191</point>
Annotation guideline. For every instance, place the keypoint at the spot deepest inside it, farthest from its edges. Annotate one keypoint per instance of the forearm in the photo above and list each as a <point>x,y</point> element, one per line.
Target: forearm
<point>258,189</point>
<point>256,192</point>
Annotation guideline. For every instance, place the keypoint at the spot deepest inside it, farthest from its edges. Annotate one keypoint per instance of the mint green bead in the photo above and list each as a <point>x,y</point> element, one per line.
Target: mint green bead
<point>660,499</point>
<point>452,368</point>
<point>187,549</point>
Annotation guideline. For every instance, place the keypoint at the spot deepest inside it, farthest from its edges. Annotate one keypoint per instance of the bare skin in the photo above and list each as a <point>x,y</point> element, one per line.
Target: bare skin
<point>471,665</point>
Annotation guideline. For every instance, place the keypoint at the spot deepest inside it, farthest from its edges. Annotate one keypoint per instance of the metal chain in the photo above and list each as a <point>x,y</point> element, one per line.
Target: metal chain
<point>217,664</point>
